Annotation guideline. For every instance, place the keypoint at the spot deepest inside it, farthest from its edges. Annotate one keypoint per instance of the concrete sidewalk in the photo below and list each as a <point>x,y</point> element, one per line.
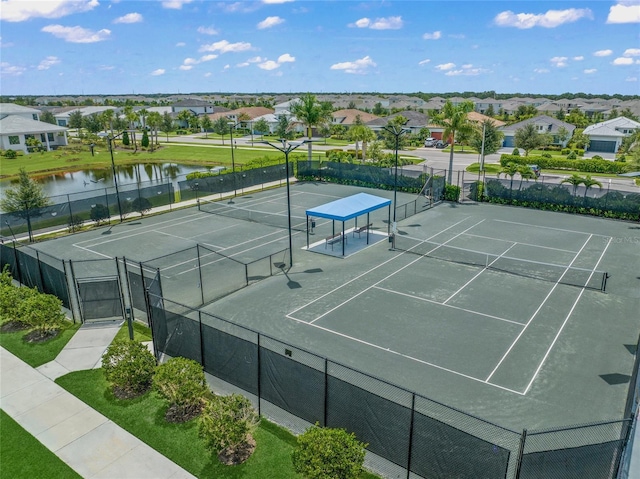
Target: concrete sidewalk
<point>87,441</point>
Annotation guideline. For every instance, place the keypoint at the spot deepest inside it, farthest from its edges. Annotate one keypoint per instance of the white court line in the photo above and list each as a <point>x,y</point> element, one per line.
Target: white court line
<point>406,356</point>
<point>565,322</point>
<point>93,252</point>
<point>479,273</point>
<point>524,244</point>
<point>550,228</point>
<point>385,278</point>
<point>426,300</point>
<point>358,277</point>
<point>537,310</point>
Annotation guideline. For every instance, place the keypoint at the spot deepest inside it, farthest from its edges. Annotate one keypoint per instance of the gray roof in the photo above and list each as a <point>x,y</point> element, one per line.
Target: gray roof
<point>13,109</point>
<point>14,125</point>
<point>553,124</point>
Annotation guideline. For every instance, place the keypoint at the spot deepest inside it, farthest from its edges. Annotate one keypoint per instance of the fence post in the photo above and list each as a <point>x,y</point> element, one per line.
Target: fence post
<point>15,255</point>
<point>40,271</point>
<point>71,222</point>
<point>71,297</point>
<point>523,439</point>
<point>75,288</point>
<point>201,339</point>
<point>413,409</point>
<point>259,374</point>
<point>200,273</point>
<point>326,391</point>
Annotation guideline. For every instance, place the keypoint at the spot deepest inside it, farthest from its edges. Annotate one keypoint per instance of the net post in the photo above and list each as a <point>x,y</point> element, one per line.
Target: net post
<point>605,277</point>
<point>200,273</point>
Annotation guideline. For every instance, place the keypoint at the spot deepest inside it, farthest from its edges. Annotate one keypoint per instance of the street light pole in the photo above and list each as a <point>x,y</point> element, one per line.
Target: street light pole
<point>113,168</point>
<point>393,129</point>
<point>287,148</point>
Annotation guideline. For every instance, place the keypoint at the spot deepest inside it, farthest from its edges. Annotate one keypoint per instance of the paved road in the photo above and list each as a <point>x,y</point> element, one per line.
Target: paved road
<point>434,158</point>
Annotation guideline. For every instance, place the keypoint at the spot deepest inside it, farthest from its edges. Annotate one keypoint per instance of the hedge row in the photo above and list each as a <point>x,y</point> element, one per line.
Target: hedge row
<point>586,166</point>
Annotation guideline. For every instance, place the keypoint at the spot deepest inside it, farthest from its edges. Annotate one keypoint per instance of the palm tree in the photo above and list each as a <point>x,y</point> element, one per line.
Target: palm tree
<point>510,170</point>
<point>588,182</point>
<point>154,121</point>
<point>368,135</point>
<point>575,180</point>
<point>454,119</point>
<point>310,112</point>
<point>131,117</point>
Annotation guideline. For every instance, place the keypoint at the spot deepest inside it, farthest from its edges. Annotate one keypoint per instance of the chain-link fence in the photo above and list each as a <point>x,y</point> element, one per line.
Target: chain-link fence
<point>408,435</point>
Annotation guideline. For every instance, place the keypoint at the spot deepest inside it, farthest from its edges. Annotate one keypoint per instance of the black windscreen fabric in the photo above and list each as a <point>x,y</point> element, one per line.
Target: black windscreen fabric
<point>292,386</point>
<point>440,451</point>
<point>8,257</point>
<point>29,270</point>
<point>381,423</point>
<point>598,461</point>
<point>183,337</point>
<point>158,325</point>
<point>55,283</point>
<point>230,358</point>
<point>100,299</point>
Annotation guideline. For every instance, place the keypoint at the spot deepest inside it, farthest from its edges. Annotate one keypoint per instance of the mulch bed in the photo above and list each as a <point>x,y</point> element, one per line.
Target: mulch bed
<point>41,336</point>
<point>13,326</point>
<point>178,415</point>
<point>122,393</point>
<point>233,456</point>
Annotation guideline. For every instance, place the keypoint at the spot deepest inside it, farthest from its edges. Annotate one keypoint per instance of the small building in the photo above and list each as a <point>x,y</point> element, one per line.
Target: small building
<point>19,124</point>
<point>607,136</point>
<point>544,125</point>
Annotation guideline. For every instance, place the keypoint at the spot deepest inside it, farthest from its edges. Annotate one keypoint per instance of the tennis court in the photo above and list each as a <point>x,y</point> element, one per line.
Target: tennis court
<point>521,317</point>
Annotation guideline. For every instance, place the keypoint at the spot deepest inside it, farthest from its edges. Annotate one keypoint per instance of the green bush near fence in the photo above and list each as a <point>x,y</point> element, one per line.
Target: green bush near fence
<point>555,163</point>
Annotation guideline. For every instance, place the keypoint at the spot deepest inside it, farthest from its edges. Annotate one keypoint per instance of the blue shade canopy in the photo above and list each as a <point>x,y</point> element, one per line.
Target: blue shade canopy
<point>350,207</point>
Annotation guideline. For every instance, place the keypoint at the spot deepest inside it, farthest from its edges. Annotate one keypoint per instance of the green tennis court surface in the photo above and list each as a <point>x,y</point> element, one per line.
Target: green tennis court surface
<point>497,311</point>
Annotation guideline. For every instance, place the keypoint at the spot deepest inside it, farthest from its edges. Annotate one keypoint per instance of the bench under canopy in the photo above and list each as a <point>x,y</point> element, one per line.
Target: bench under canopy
<point>347,208</point>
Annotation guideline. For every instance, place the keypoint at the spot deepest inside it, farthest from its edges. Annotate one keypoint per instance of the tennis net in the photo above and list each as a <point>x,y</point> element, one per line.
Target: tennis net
<point>555,273</point>
<point>279,220</point>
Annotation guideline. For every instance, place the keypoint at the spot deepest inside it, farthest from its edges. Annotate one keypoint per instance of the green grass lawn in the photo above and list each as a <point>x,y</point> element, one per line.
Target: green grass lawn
<point>489,168</point>
<point>141,332</point>
<point>144,417</point>
<point>495,168</point>
<point>24,457</point>
<point>37,354</point>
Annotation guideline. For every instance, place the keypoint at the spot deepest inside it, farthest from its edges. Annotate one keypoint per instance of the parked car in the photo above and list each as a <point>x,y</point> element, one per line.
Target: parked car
<point>535,169</point>
<point>441,144</point>
<point>430,142</point>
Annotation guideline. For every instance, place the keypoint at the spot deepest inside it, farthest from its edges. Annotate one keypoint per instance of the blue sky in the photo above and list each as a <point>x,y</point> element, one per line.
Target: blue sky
<point>57,47</point>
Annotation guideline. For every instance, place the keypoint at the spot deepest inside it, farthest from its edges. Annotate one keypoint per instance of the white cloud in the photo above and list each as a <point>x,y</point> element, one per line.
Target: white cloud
<point>358,67</point>
<point>186,67</point>
<point>207,30</point>
<point>48,63</point>
<point>175,4</point>
<point>223,46</point>
<point>589,71</point>
<point>579,58</point>
<point>624,12</point>
<point>631,52</point>
<point>269,65</point>
<point>270,22</point>
<point>445,66</point>
<point>273,2</point>
<point>466,70</point>
<point>550,19</point>
<point>424,62</point>
<point>602,53</point>
<point>286,58</point>
<point>181,44</point>
<point>432,36</point>
<point>559,61</point>
<point>19,10</point>
<point>208,58</point>
<point>158,72</point>
<point>389,23</point>
<point>541,70</point>
<point>77,34</point>
<point>190,61</point>
<point>631,79</point>
<point>622,61</point>
<point>129,18</point>
<point>6,69</point>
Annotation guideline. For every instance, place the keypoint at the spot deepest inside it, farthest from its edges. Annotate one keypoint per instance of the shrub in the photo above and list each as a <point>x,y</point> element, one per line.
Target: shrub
<point>42,312</point>
<point>227,422</point>
<point>75,223</point>
<point>451,193</point>
<point>10,154</point>
<point>597,157</point>
<point>515,152</point>
<point>325,453</point>
<point>181,382</point>
<point>565,151</point>
<point>572,155</point>
<point>99,213</point>
<point>546,155</point>
<point>11,299</point>
<point>129,367</point>
<point>141,205</point>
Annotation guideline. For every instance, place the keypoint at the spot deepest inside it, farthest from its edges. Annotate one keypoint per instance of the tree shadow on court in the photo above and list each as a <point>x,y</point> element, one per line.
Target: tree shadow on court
<point>614,379</point>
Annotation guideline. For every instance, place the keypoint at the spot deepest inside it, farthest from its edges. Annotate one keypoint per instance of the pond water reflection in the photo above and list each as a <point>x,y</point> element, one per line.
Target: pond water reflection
<point>143,174</point>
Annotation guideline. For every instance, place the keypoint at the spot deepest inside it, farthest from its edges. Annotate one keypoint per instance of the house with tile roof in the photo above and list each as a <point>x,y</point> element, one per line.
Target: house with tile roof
<point>347,117</point>
<point>19,124</point>
<point>607,136</point>
<point>543,123</point>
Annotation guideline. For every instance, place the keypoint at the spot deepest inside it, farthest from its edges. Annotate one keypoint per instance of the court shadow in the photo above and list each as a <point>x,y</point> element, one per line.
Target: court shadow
<point>631,348</point>
<point>414,226</point>
<point>614,379</point>
<point>293,284</point>
<point>134,223</point>
<point>313,270</point>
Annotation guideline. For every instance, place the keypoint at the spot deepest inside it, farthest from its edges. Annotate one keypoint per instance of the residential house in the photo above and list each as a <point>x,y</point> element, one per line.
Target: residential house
<point>197,107</point>
<point>544,124</point>
<point>415,121</point>
<point>62,115</point>
<point>348,116</point>
<point>18,124</point>
<point>607,136</point>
